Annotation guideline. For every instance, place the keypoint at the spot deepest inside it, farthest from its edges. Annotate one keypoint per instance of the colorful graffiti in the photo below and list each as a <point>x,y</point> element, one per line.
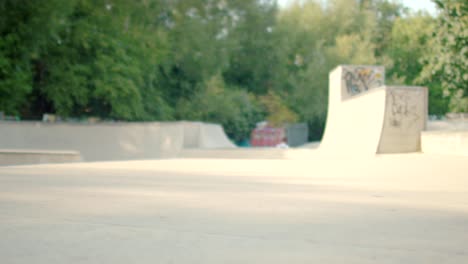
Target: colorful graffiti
<point>360,79</point>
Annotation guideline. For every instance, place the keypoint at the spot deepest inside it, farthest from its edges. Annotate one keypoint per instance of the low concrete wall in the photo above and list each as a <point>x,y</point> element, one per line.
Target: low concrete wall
<point>113,141</point>
<point>22,157</point>
<point>104,141</point>
<point>452,125</point>
<point>191,134</point>
<point>445,142</point>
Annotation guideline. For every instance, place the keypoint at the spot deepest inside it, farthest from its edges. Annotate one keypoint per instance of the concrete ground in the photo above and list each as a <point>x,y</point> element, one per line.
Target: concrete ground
<point>385,209</point>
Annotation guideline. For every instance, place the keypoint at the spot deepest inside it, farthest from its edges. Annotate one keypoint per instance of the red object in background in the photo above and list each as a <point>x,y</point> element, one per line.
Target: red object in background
<point>267,136</point>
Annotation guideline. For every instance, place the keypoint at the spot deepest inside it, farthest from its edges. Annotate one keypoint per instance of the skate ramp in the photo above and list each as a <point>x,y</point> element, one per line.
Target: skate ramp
<point>212,136</point>
<point>367,117</point>
<point>198,135</point>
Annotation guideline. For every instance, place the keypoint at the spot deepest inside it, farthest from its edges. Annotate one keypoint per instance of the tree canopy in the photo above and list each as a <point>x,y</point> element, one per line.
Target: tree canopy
<point>448,60</point>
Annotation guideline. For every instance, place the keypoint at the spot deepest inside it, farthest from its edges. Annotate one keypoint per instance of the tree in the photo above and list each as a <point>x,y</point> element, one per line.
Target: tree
<point>409,44</point>
<point>25,29</point>
<point>253,59</point>
<point>448,61</point>
<point>234,108</point>
<point>102,61</point>
<point>316,39</point>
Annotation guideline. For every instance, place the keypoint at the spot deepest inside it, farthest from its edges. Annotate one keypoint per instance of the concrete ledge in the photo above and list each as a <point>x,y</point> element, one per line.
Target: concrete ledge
<point>10,157</point>
<point>451,125</point>
<point>445,142</point>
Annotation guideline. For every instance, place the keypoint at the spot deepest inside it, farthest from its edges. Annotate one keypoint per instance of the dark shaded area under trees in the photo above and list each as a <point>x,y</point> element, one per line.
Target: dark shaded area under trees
<point>232,62</point>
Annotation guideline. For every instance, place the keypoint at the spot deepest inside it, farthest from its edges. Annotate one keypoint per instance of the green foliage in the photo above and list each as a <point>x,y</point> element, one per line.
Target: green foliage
<point>234,108</point>
<point>254,60</point>
<point>410,42</point>
<point>315,40</point>
<point>15,79</point>
<point>25,27</point>
<point>449,60</point>
<point>105,73</point>
<point>278,114</point>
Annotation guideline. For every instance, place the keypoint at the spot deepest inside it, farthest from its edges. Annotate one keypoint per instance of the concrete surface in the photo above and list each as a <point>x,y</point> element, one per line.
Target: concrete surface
<point>366,117</point>
<point>237,153</point>
<point>385,209</point>
<point>25,156</point>
<point>304,152</point>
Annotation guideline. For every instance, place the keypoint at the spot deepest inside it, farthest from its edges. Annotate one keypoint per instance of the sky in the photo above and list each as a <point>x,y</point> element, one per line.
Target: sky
<point>415,5</point>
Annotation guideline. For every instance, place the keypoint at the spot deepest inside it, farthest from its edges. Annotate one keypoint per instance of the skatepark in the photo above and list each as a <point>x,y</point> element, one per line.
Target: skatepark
<point>385,185</point>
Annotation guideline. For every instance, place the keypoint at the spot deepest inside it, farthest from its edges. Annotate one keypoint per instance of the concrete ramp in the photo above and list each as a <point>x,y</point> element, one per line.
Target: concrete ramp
<point>213,136</point>
<point>367,117</point>
<point>199,135</point>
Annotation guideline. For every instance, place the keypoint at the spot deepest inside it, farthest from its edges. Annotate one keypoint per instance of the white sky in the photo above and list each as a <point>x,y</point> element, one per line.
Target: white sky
<point>416,5</point>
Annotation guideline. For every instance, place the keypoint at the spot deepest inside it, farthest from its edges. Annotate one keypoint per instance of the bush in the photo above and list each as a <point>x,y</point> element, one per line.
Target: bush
<point>235,109</point>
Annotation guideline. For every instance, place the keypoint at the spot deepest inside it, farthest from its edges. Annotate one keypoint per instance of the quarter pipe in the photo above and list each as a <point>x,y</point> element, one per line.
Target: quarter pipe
<point>365,116</point>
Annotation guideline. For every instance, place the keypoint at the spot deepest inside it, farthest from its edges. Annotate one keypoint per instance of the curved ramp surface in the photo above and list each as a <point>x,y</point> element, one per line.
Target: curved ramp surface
<point>364,116</point>
<point>198,135</point>
<point>213,136</point>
